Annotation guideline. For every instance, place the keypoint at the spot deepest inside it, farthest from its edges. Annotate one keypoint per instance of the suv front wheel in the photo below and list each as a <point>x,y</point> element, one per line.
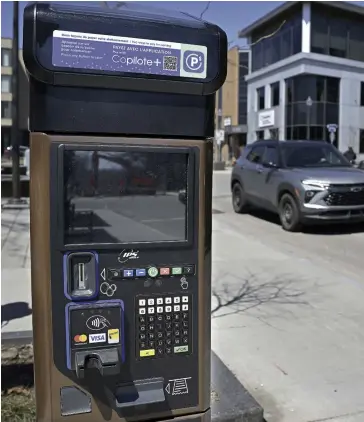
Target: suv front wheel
<point>240,204</point>
<point>289,214</point>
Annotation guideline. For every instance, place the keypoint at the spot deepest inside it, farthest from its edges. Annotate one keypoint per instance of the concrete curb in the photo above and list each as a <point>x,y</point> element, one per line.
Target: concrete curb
<point>230,401</point>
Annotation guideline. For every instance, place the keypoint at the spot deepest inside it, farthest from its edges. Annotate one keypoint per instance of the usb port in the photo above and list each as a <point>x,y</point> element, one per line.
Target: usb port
<point>81,276</point>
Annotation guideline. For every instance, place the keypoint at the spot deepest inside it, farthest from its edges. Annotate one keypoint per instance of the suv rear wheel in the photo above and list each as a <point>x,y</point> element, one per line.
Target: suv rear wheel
<point>240,203</point>
<point>289,213</point>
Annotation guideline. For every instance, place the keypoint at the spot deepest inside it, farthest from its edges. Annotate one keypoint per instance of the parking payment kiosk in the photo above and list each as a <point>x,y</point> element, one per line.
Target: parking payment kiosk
<point>122,118</point>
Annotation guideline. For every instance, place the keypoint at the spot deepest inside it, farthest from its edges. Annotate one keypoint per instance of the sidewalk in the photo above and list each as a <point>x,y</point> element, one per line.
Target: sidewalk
<point>15,271</point>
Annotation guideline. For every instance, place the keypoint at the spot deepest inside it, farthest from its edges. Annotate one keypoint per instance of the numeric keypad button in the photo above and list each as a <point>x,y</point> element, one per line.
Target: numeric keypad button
<point>150,302</point>
<point>185,307</point>
<point>185,299</point>
<point>168,300</point>
<point>150,310</point>
<point>177,300</point>
<point>160,301</point>
<point>142,302</point>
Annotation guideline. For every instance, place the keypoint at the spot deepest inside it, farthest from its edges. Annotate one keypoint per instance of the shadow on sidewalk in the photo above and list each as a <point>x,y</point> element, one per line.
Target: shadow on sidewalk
<point>14,310</point>
<point>251,293</point>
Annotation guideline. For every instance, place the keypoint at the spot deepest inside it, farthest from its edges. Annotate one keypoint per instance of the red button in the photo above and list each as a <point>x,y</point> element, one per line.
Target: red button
<point>164,271</point>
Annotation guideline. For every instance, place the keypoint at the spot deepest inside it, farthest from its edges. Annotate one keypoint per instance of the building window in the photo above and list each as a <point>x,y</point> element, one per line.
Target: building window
<point>336,33</point>
<point>285,41</point>
<point>260,98</point>
<point>5,57</point>
<point>275,94</point>
<point>5,109</point>
<point>362,94</point>
<point>5,83</point>
<point>361,142</point>
<point>312,104</point>
<point>259,135</point>
<point>243,92</point>
<point>273,134</point>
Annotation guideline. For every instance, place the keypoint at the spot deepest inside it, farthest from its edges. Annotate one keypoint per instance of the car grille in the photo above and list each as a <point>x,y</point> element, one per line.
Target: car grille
<point>346,196</point>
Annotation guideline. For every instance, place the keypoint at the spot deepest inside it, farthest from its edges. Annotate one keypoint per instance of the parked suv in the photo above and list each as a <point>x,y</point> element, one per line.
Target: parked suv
<point>302,181</point>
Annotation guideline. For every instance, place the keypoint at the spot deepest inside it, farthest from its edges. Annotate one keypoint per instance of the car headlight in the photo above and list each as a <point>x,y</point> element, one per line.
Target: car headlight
<point>316,184</point>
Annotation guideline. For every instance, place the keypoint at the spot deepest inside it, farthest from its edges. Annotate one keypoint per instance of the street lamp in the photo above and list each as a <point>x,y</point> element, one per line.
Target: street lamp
<point>309,103</point>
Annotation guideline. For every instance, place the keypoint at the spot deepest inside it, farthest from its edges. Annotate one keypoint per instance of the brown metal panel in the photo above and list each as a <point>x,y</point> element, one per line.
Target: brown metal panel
<point>40,273</point>
<point>48,379</point>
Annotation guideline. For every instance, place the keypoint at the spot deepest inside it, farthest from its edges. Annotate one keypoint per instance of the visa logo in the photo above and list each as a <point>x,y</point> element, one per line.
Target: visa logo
<point>97,338</point>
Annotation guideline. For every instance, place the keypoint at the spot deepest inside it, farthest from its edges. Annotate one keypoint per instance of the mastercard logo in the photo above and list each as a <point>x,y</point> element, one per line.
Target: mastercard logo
<point>82,338</point>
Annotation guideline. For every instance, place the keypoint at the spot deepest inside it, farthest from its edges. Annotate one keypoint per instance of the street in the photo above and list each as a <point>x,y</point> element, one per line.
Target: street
<point>287,313</point>
<point>287,308</point>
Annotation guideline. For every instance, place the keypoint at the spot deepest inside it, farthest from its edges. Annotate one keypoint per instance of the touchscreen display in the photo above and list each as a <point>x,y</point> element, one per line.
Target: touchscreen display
<point>124,196</point>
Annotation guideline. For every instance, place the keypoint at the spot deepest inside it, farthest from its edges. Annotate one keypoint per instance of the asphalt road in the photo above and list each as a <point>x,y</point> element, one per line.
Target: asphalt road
<point>288,313</point>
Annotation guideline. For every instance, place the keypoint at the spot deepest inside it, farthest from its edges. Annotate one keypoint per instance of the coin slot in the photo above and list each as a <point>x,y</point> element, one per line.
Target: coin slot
<point>81,274</point>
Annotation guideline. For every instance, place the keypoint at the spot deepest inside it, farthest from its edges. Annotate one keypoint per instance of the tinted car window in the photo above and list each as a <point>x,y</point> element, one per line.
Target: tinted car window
<point>314,155</point>
<point>271,156</point>
<point>256,154</point>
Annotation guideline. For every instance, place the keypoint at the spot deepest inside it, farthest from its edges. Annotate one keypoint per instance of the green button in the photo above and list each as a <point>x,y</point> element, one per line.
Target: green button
<point>177,270</point>
<point>180,349</point>
<point>152,272</point>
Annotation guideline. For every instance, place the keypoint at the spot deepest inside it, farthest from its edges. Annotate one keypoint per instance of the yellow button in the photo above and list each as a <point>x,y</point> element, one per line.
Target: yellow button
<point>145,353</point>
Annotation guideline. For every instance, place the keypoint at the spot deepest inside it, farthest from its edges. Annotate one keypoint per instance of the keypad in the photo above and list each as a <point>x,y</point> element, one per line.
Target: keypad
<point>164,325</point>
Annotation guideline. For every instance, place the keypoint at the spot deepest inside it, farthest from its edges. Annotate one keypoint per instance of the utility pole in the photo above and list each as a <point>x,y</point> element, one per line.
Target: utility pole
<point>15,107</point>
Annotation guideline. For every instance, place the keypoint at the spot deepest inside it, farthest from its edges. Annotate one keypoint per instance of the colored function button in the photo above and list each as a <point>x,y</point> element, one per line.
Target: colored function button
<point>176,270</point>
<point>152,272</point>
<point>128,273</point>
<point>189,270</point>
<point>146,353</point>
<point>180,349</point>
<point>164,271</point>
<point>140,272</point>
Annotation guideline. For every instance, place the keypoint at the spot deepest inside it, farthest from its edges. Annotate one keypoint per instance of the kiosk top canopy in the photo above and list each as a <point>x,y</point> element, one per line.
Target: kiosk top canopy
<point>128,47</point>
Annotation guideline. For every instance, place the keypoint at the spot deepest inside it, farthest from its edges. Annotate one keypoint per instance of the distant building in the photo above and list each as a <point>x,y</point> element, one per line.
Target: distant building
<point>6,96</point>
<point>231,101</point>
<point>307,71</point>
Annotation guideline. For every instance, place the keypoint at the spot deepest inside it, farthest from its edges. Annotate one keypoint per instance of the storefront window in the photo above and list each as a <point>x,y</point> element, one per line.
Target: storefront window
<point>308,119</point>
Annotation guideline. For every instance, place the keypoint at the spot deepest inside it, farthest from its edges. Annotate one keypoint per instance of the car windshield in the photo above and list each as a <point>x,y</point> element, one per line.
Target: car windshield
<point>315,155</point>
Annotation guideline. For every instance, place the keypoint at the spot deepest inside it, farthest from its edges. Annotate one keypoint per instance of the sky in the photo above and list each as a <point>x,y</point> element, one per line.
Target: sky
<point>230,16</point>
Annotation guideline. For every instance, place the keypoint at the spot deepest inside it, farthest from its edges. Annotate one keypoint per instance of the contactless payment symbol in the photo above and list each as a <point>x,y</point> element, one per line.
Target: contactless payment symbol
<point>113,336</point>
<point>193,61</point>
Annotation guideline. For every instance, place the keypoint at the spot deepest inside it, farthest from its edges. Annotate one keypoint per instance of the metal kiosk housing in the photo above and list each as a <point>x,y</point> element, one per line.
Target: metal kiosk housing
<point>91,362</point>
